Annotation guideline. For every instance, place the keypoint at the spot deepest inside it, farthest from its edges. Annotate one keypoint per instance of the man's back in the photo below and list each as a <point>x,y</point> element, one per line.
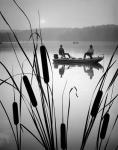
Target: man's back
<point>91,50</point>
<point>61,51</point>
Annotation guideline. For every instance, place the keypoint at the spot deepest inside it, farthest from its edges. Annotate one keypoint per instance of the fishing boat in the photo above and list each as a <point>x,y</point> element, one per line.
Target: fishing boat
<point>77,60</point>
<point>75,42</point>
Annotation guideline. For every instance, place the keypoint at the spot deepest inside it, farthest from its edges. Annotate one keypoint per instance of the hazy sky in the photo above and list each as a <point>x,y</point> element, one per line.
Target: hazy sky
<point>60,13</point>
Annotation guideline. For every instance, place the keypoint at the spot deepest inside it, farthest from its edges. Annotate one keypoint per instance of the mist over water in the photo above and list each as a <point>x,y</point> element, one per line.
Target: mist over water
<point>83,77</point>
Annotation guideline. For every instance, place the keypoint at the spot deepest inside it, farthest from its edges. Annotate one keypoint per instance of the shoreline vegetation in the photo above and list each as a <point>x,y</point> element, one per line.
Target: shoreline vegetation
<point>94,33</point>
<point>45,122</point>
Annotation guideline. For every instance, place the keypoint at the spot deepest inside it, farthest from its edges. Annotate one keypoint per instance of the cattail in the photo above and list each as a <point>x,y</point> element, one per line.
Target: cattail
<point>15,113</point>
<point>104,126</point>
<point>44,63</point>
<point>63,136</point>
<point>96,103</point>
<point>30,91</point>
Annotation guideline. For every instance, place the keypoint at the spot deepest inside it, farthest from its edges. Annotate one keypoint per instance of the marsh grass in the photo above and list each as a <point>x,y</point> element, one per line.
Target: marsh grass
<point>45,123</point>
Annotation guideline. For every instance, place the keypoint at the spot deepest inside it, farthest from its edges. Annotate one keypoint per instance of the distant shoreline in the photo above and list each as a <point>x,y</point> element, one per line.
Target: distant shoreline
<point>95,33</point>
<point>30,42</point>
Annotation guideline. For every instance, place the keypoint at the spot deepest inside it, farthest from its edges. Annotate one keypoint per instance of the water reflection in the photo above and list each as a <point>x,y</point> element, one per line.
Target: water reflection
<point>88,68</point>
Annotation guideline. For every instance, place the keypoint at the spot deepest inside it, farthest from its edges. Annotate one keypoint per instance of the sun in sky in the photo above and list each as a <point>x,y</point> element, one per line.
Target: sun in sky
<point>42,21</point>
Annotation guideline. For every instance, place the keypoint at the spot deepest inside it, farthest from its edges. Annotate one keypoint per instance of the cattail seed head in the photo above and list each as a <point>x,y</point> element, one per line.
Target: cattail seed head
<point>63,136</point>
<point>104,125</point>
<point>44,63</point>
<point>15,113</point>
<point>30,91</point>
<point>96,103</point>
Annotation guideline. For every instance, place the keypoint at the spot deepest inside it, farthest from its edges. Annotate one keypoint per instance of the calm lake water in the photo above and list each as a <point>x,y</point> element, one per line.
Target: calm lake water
<point>84,78</point>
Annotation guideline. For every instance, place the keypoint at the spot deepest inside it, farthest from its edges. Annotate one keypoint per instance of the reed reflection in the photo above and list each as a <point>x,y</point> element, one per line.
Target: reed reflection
<point>88,68</point>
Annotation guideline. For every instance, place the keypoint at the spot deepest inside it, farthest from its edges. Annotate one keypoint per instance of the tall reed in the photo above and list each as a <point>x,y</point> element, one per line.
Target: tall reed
<point>15,113</point>
<point>104,125</point>
<point>96,103</point>
<point>44,63</point>
<point>30,91</point>
<point>63,136</point>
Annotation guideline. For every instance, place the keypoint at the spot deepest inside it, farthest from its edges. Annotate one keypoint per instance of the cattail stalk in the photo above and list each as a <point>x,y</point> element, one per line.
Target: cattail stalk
<point>44,64</point>
<point>30,91</point>
<point>63,137</point>
<point>104,126</point>
<point>15,113</point>
<point>96,103</point>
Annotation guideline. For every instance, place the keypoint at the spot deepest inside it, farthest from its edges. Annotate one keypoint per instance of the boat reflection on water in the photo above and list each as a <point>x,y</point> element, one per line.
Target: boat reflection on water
<point>89,71</point>
<point>88,68</point>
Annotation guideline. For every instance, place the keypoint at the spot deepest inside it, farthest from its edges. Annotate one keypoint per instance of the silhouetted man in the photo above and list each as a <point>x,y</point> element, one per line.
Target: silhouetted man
<point>89,52</point>
<point>62,53</point>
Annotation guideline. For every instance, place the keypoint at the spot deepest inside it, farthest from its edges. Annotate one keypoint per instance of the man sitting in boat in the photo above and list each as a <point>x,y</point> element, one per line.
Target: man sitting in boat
<point>89,52</point>
<point>62,53</point>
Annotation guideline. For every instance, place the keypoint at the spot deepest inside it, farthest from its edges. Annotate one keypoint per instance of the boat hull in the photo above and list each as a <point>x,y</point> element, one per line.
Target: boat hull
<point>78,60</point>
